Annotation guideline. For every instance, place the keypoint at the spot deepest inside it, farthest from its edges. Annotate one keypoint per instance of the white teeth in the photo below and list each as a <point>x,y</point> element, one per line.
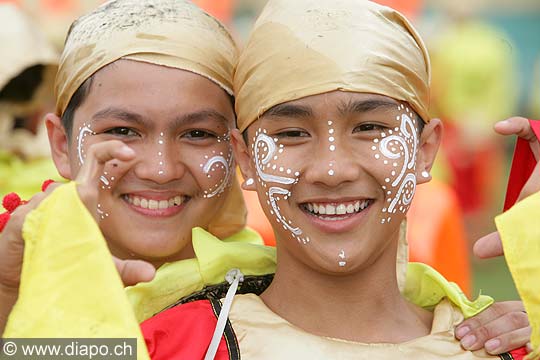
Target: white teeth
<point>144,203</point>
<point>340,209</point>
<point>155,204</point>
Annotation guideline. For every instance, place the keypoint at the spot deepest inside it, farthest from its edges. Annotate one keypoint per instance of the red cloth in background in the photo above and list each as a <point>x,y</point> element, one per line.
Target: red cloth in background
<point>523,165</point>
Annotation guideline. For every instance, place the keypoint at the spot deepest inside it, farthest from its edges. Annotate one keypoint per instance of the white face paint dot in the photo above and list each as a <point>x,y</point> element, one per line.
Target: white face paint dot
<point>331,139</point>
<point>373,148</point>
<point>332,147</point>
<point>331,172</point>
<point>377,156</point>
<point>331,131</point>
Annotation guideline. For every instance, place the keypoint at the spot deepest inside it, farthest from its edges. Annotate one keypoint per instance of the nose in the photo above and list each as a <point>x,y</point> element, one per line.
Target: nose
<point>332,165</point>
<point>160,163</point>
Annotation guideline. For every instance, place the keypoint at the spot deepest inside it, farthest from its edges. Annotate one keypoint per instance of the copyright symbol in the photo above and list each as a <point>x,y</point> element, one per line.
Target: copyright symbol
<point>9,348</point>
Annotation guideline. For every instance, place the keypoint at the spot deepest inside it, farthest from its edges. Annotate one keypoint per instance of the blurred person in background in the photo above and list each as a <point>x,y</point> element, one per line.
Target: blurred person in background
<point>473,87</point>
<point>27,67</point>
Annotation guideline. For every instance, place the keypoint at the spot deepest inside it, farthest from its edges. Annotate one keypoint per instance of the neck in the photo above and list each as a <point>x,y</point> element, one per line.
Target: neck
<point>340,306</point>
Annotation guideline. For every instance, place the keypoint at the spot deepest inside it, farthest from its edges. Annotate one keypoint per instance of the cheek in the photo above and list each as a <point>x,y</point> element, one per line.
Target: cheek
<point>395,152</point>
<point>213,168</point>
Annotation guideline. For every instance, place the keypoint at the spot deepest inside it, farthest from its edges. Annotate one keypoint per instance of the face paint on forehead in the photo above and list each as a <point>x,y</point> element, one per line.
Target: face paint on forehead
<point>265,151</point>
<point>223,160</point>
<point>399,145</point>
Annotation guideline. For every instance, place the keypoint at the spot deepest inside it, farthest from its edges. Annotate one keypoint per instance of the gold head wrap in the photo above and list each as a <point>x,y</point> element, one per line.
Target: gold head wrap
<point>172,33</point>
<point>307,47</point>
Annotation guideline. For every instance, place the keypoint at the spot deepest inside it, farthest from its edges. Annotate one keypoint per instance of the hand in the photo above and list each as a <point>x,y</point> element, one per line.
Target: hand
<point>502,327</point>
<point>116,157</point>
<point>490,245</point>
<point>11,255</point>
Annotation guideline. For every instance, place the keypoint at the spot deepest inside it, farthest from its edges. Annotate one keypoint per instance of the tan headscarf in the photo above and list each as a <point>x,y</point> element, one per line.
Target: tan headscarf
<point>307,47</point>
<point>172,33</point>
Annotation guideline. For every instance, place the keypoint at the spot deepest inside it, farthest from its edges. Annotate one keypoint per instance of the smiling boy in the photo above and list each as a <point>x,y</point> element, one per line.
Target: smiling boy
<point>334,148</point>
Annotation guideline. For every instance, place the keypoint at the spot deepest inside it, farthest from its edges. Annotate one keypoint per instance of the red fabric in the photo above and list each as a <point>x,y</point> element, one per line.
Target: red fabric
<point>11,202</point>
<point>183,332</point>
<point>519,354</point>
<point>522,167</point>
<point>46,184</point>
<point>4,218</point>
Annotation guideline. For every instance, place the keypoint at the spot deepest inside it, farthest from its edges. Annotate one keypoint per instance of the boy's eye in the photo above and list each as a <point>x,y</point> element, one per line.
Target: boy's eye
<point>292,134</point>
<point>198,134</point>
<point>369,127</point>
<point>122,131</point>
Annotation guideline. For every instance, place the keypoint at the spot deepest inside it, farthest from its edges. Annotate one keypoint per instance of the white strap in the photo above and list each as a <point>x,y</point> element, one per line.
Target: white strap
<point>233,277</point>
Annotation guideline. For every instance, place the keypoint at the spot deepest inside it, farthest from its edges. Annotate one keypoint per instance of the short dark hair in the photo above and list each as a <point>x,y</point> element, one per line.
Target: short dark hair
<point>23,86</point>
<point>76,100</point>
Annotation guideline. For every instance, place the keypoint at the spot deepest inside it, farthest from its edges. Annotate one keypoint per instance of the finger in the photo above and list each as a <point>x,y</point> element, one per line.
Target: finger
<point>98,155</point>
<point>133,272</point>
<point>509,341</point>
<point>492,313</point>
<point>488,246</point>
<point>519,126</point>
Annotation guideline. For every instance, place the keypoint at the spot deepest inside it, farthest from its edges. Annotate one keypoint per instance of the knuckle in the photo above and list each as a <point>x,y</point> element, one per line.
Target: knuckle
<point>518,319</point>
<point>483,333</point>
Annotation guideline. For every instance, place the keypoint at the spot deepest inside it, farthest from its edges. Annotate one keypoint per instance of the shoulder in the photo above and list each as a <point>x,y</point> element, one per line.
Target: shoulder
<point>182,332</point>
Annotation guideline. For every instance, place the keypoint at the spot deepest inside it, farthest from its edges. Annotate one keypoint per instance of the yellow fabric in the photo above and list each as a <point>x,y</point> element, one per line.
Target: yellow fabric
<point>172,33</point>
<point>307,47</point>
<point>214,258</point>
<point>272,337</point>
<point>520,234</point>
<point>69,285</point>
<point>63,297</point>
<point>24,177</point>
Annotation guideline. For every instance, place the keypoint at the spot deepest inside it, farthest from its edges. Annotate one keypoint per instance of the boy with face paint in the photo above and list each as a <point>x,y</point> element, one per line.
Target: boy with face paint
<point>143,118</point>
<point>335,150</point>
<point>106,105</point>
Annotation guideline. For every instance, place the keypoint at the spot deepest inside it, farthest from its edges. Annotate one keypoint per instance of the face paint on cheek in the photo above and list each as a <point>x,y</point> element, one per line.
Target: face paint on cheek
<point>264,152</point>
<point>84,131</point>
<point>400,145</point>
<point>219,161</point>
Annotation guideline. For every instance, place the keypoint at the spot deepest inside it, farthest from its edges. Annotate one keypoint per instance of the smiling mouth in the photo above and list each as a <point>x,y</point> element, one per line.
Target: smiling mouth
<point>154,204</point>
<point>334,211</point>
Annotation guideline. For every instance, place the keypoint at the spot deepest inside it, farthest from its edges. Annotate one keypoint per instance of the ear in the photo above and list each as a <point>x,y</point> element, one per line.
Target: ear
<point>427,150</point>
<point>243,159</point>
<point>59,143</point>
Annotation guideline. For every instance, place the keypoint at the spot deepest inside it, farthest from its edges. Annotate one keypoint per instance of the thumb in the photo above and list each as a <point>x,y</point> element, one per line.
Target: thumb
<point>133,272</point>
<point>488,246</point>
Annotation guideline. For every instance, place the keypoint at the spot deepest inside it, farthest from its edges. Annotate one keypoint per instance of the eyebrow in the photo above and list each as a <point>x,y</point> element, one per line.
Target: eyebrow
<point>363,106</point>
<point>200,115</point>
<point>290,110</point>
<point>187,119</point>
<point>120,114</point>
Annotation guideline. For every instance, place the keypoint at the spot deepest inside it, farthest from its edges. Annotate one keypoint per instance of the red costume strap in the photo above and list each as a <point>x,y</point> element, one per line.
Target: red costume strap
<point>183,332</point>
<point>518,354</point>
<point>523,165</point>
